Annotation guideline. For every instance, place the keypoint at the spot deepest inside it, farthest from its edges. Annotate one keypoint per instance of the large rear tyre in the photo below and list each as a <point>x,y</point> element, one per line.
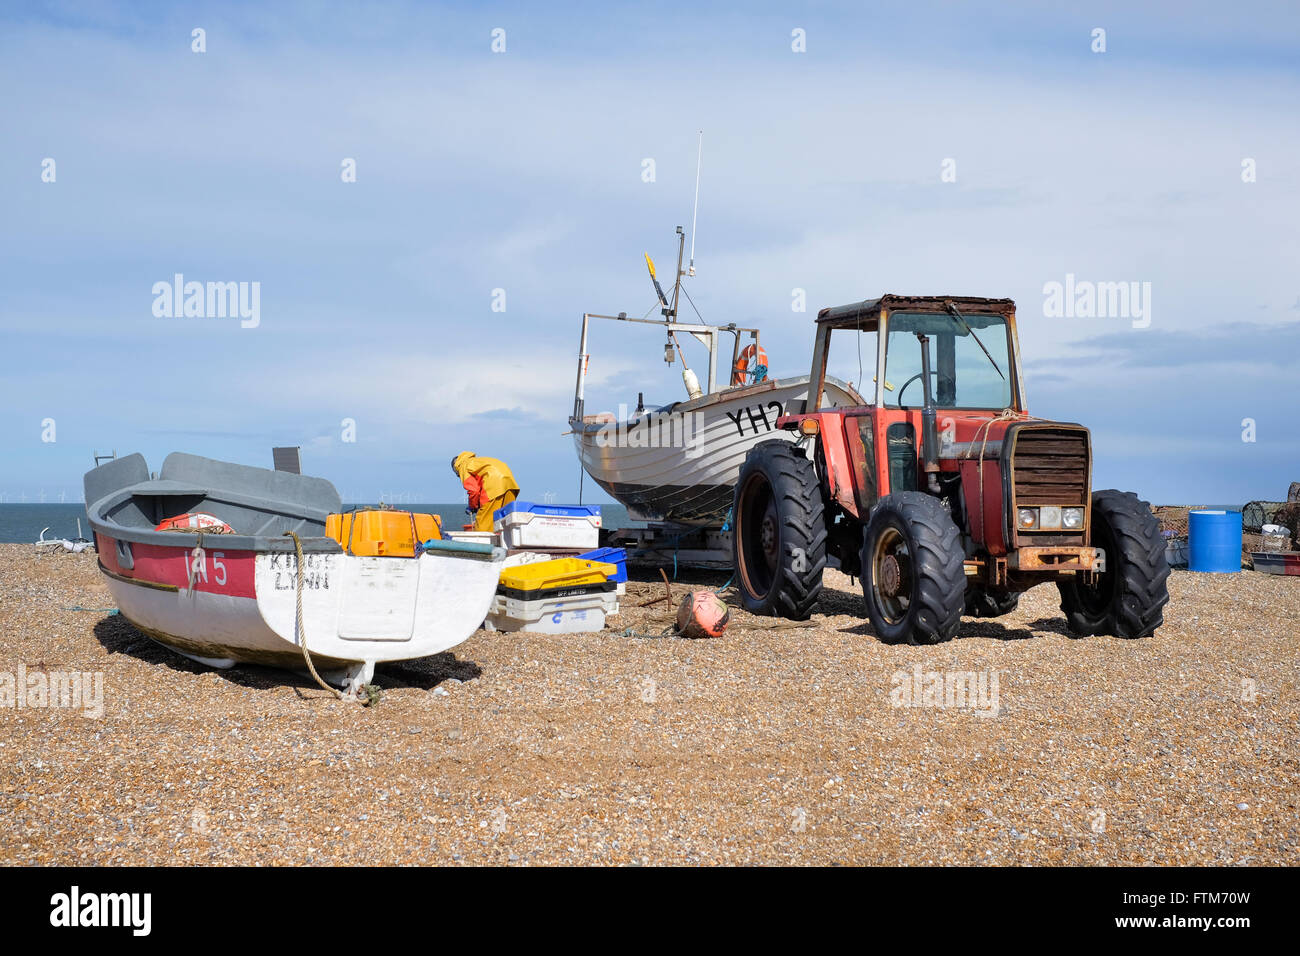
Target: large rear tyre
<point>913,577</point>
<point>1128,598</point>
<point>778,537</point>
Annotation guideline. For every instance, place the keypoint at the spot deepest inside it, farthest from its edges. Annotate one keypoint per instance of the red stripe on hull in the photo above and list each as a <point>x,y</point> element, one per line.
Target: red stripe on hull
<point>222,572</point>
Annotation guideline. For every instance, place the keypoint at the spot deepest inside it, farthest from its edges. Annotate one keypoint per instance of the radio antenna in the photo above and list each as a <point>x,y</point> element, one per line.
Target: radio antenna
<point>699,155</point>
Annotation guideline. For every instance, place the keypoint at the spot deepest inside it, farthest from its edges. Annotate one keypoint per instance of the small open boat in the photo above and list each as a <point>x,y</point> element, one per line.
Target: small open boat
<point>225,598</point>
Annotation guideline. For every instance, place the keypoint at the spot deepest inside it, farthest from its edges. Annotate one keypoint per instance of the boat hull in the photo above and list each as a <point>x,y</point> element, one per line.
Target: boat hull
<point>234,597</point>
<point>680,464</point>
<point>241,606</point>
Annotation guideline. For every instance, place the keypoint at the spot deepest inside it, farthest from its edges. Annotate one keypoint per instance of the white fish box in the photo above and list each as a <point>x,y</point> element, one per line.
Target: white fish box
<point>526,557</point>
<point>573,615</point>
<point>471,537</point>
<point>523,524</point>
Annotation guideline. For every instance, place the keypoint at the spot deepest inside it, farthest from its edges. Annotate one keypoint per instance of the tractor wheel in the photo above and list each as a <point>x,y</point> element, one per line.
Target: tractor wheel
<point>778,537</point>
<point>1128,598</point>
<point>912,574</point>
<point>983,603</point>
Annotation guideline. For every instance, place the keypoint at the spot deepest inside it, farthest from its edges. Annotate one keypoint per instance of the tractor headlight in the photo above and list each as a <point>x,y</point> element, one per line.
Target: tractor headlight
<point>1072,518</point>
<point>1049,517</point>
<point>1027,518</point>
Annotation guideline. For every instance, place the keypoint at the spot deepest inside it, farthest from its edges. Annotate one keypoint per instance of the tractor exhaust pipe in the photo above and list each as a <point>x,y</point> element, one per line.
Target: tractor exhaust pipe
<point>929,428</point>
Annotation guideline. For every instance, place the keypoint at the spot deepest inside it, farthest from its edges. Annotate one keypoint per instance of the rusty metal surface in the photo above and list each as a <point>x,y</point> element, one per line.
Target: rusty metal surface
<point>1078,558</point>
<point>868,311</point>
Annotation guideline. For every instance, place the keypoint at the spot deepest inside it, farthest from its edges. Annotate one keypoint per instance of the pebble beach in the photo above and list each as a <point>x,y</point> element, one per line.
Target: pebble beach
<point>778,743</point>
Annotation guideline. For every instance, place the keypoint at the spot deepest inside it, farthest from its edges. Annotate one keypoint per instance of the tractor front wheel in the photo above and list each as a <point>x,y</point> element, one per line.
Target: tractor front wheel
<point>912,570</point>
<point>1128,598</point>
<point>778,535</point>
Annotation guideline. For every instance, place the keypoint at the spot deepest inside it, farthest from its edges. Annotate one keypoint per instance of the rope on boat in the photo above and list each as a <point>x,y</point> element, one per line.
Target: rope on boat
<point>197,558</point>
<point>302,634</point>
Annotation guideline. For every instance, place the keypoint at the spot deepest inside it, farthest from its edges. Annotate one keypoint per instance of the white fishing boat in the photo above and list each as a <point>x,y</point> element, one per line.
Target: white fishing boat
<point>227,589</point>
<point>678,464</point>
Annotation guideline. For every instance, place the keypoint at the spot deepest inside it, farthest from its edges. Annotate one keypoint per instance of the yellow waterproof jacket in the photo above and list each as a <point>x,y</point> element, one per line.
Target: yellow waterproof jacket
<point>495,476</point>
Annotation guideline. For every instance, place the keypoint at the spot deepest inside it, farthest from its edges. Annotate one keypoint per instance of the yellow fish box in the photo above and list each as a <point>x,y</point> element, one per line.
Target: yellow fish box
<point>559,575</point>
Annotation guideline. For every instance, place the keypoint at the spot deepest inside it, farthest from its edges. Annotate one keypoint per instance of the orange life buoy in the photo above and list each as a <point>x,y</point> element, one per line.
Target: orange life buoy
<point>740,373</point>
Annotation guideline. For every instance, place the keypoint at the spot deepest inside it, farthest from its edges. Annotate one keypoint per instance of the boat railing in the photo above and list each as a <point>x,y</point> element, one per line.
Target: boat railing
<point>707,335</point>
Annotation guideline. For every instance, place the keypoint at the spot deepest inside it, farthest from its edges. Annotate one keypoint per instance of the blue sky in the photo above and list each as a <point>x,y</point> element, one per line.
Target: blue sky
<point>522,171</point>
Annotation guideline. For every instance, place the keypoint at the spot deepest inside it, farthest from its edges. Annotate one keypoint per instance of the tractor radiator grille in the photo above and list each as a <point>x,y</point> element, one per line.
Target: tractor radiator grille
<point>1050,466</point>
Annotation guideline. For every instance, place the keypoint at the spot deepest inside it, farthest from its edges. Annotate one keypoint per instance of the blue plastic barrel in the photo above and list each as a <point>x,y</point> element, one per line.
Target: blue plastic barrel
<point>1214,541</point>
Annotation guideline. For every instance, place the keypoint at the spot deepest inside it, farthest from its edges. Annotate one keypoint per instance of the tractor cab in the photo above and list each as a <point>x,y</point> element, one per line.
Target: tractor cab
<point>941,492</point>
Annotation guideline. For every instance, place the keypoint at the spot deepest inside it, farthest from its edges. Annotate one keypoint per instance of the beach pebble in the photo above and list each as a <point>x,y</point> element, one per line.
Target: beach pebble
<point>776,744</point>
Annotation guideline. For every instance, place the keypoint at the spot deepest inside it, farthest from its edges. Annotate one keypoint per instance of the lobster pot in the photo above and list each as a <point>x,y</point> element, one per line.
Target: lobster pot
<point>1214,541</point>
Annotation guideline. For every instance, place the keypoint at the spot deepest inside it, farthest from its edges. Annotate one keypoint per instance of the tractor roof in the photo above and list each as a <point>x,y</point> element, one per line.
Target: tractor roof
<point>867,312</point>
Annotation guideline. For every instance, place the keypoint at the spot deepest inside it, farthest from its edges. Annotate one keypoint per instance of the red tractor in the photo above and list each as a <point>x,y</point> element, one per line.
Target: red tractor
<point>941,492</point>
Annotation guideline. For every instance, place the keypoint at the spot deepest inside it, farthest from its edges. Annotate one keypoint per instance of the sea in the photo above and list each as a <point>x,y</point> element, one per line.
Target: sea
<point>23,523</point>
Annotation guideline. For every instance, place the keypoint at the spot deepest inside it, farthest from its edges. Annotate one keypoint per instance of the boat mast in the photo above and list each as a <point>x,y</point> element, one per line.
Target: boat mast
<point>695,212</point>
<point>677,285</point>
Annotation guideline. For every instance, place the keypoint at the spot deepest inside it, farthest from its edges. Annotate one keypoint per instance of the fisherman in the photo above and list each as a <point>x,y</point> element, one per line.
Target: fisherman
<point>489,484</point>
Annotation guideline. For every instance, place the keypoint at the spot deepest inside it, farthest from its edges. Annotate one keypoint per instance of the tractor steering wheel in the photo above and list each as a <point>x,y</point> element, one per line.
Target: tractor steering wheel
<point>909,382</point>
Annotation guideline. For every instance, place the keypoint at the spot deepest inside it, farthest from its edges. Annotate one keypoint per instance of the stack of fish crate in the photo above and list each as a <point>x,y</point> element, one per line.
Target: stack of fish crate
<point>549,585</point>
<point>557,596</point>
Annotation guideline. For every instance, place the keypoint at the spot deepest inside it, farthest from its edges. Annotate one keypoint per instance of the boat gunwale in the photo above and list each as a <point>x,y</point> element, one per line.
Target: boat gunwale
<point>315,544</point>
<point>715,398</point>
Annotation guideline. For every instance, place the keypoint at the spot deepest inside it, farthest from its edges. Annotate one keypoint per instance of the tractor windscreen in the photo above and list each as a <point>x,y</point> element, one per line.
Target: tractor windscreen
<point>969,360</point>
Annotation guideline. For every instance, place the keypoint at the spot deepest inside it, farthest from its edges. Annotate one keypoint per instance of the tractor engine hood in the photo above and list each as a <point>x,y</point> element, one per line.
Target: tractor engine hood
<point>1008,464</point>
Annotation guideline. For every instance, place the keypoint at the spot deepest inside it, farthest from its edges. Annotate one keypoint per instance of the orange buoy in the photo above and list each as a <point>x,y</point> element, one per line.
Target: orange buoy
<point>702,614</point>
<point>740,372</point>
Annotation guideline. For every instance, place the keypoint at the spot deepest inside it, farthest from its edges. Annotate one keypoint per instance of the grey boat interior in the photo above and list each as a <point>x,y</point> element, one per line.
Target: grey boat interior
<point>125,503</point>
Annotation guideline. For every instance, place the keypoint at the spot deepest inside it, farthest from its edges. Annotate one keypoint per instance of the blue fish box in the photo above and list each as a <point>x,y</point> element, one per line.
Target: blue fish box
<point>562,511</point>
<point>525,524</point>
<point>614,556</point>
